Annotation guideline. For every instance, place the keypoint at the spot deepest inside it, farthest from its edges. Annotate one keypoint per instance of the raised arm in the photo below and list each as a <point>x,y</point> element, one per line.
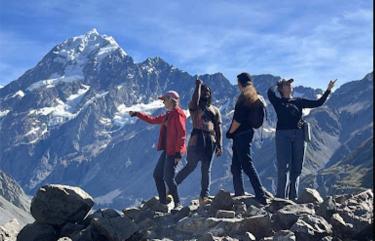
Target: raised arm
<point>272,96</point>
<point>305,103</point>
<point>194,103</point>
<point>151,119</point>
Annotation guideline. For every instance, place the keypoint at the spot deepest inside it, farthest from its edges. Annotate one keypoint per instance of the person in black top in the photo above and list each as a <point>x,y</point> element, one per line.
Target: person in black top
<point>290,139</point>
<point>242,134</point>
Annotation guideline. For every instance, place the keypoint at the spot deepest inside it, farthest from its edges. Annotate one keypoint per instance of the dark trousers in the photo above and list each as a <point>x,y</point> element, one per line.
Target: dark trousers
<point>242,161</point>
<point>290,152</point>
<point>194,155</point>
<point>164,173</point>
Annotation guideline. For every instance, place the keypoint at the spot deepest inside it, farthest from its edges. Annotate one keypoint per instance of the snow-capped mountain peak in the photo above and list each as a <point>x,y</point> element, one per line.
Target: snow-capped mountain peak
<point>90,44</point>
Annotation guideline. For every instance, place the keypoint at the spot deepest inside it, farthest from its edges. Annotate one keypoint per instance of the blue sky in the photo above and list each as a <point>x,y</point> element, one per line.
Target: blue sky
<point>311,41</point>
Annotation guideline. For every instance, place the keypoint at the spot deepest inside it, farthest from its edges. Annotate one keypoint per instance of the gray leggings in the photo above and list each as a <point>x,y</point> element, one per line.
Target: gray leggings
<point>290,152</point>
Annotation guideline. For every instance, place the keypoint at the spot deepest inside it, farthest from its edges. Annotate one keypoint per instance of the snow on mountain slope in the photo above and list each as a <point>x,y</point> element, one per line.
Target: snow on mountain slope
<point>71,125</point>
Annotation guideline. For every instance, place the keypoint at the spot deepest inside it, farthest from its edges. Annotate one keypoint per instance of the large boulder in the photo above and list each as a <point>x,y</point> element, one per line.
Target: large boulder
<point>327,208</point>
<point>340,227</point>
<point>69,229</point>
<point>154,205</point>
<point>115,229</point>
<point>222,201</point>
<point>37,232</point>
<point>60,204</point>
<point>259,225</point>
<point>278,203</point>
<point>310,195</point>
<point>225,214</point>
<point>288,215</point>
<point>101,213</point>
<point>284,235</point>
<point>194,225</point>
<point>87,234</point>
<point>358,211</point>
<point>311,227</point>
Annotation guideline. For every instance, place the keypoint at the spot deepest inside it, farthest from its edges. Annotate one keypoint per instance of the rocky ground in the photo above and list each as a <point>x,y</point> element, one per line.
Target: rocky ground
<point>64,213</point>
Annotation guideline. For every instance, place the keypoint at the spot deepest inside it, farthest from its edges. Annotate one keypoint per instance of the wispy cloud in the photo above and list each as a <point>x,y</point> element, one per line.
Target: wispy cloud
<point>310,41</point>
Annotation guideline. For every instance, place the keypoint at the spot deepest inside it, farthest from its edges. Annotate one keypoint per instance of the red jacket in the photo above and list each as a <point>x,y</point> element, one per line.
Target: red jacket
<point>172,130</point>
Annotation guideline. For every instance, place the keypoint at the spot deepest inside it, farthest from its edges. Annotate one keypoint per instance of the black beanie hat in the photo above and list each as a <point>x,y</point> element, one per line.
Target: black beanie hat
<point>244,78</point>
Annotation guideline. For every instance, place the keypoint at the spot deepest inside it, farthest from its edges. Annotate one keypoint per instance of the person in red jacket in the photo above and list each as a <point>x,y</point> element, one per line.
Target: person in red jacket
<point>172,144</point>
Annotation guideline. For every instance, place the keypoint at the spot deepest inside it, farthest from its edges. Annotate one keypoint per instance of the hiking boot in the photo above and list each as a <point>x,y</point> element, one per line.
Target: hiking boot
<point>204,201</point>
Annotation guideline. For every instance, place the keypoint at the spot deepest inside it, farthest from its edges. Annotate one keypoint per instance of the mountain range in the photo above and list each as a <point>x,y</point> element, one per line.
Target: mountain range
<point>65,121</point>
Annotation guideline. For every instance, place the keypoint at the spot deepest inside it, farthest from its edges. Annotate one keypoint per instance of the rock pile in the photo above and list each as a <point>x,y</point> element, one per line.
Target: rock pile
<point>62,213</point>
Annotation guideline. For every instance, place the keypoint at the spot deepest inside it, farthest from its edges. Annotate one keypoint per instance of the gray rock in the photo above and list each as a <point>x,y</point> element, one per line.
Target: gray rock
<point>310,195</point>
<point>240,208</point>
<point>155,205</point>
<point>266,239</point>
<point>340,228</point>
<point>60,204</point>
<point>329,238</point>
<point>327,208</point>
<point>358,211</point>
<point>223,200</point>
<point>227,238</point>
<point>101,213</point>
<point>311,227</point>
<point>37,232</point>
<point>132,213</point>
<point>87,234</point>
<point>284,235</point>
<point>71,228</point>
<point>224,226</point>
<point>115,229</point>
<point>287,216</point>
<point>198,225</point>
<point>208,237</point>
<point>185,212</point>
<point>225,214</point>
<point>248,200</point>
<point>260,225</point>
<point>248,237</point>
<point>278,203</point>
<point>254,211</point>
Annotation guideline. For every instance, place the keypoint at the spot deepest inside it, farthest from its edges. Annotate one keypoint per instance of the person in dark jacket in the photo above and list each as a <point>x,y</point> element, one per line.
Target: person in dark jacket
<point>172,144</point>
<point>205,138</point>
<point>242,134</point>
<point>290,139</point>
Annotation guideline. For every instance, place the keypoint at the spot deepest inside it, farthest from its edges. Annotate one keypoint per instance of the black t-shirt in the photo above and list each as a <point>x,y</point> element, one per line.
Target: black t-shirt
<point>289,110</point>
<point>241,115</point>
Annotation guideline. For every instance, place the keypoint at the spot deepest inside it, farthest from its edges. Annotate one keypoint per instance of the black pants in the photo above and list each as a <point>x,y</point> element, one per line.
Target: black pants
<point>242,161</point>
<point>164,173</point>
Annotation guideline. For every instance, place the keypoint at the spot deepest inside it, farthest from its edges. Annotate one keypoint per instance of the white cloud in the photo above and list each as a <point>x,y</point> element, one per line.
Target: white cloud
<point>310,41</point>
